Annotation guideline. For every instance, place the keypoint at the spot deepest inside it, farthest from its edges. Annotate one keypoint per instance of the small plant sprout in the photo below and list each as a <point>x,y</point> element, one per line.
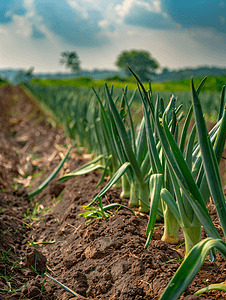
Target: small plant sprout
<point>4,256</point>
<point>6,231</point>
<point>36,244</point>
<point>102,212</point>
<point>15,266</point>
<point>7,280</point>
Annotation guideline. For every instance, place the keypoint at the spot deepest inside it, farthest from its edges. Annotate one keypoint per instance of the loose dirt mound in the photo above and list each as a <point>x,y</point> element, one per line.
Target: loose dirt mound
<point>103,259</point>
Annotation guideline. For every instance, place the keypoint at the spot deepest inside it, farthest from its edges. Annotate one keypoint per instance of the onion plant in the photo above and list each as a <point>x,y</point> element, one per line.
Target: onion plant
<point>184,184</point>
<point>130,150</point>
<point>190,207</point>
<point>115,141</point>
<point>159,164</point>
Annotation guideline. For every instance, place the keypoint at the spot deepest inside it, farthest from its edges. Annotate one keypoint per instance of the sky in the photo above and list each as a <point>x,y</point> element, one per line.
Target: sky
<point>177,33</point>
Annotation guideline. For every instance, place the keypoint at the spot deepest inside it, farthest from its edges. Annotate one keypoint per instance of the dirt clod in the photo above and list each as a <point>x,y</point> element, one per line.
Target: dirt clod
<point>36,260</point>
<point>55,188</point>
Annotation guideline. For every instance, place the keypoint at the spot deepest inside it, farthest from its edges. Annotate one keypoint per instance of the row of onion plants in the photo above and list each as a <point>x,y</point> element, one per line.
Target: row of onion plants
<point>192,186</point>
<point>160,168</point>
<point>181,177</point>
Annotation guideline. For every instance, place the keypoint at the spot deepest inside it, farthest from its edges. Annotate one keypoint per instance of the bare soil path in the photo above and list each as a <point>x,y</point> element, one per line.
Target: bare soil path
<point>102,259</point>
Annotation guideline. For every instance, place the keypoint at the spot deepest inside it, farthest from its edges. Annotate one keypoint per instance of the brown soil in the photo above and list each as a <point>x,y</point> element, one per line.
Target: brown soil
<point>103,259</point>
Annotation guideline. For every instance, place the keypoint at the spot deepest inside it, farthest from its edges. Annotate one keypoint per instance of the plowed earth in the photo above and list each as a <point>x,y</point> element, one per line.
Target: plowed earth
<point>103,259</point>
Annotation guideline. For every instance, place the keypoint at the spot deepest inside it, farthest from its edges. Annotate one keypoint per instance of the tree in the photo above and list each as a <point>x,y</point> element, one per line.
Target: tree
<point>23,76</point>
<point>165,71</point>
<point>71,61</point>
<point>141,62</point>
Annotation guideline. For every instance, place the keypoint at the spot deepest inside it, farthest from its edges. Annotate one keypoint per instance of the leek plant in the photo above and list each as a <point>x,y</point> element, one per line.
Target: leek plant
<point>159,167</point>
<point>159,163</point>
<point>187,195</point>
<point>194,175</point>
<point>84,169</point>
<point>131,149</point>
<point>185,185</point>
<point>116,137</point>
<point>191,194</point>
<point>210,157</point>
<point>74,109</point>
<point>152,161</point>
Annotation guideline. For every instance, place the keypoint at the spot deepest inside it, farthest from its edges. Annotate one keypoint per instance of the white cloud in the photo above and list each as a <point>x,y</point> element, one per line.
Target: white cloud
<point>29,3</point>
<point>19,50</point>
<point>103,23</point>
<point>132,32</point>
<point>125,8</point>
<point>22,26</point>
<point>74,4</point>
<point>30,14</point>
<point>146,5</point>
<point>3,30</point>
<point>157,6</point>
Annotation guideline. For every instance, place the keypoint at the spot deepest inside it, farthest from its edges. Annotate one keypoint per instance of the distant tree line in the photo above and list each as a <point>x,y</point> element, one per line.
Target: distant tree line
<point>175,75</point>
<point>186,73</point>
<point>140,61</point>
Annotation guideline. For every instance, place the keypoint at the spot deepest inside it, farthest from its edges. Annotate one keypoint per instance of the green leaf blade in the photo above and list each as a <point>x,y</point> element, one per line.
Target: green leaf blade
<point>209,161</point>
<point>190,267</point>
<point>50,177</point>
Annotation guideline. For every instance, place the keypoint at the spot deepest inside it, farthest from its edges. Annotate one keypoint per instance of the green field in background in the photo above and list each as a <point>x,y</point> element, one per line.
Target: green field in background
<point>212,84</point>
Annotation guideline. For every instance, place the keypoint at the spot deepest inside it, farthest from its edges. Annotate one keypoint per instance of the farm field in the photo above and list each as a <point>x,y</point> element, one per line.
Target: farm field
<point>101,259</point>
<point>213,83</point>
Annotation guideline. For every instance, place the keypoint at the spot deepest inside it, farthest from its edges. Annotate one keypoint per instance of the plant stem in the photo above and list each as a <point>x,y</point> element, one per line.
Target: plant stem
<point>171,227</point>
<point>125,194</point>
<point>192,237</point>
<point>117,185</point>
<point>133,200</point>
<point>144,196</point>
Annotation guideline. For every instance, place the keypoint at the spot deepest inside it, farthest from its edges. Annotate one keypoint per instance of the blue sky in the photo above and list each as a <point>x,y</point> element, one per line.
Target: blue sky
<point>177,33</point>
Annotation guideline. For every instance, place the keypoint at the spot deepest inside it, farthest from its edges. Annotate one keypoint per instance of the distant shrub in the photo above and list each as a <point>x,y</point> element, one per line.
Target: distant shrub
<point>3,82</point>
<point>119,78</point>
<point>84,79</point>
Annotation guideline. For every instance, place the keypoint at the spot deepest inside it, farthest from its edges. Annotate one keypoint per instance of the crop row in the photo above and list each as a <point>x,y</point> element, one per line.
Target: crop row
<point>145,144</point>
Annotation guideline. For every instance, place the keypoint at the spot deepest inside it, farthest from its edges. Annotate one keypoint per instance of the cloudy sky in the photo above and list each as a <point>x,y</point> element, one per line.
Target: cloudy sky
<point>177,33</point>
